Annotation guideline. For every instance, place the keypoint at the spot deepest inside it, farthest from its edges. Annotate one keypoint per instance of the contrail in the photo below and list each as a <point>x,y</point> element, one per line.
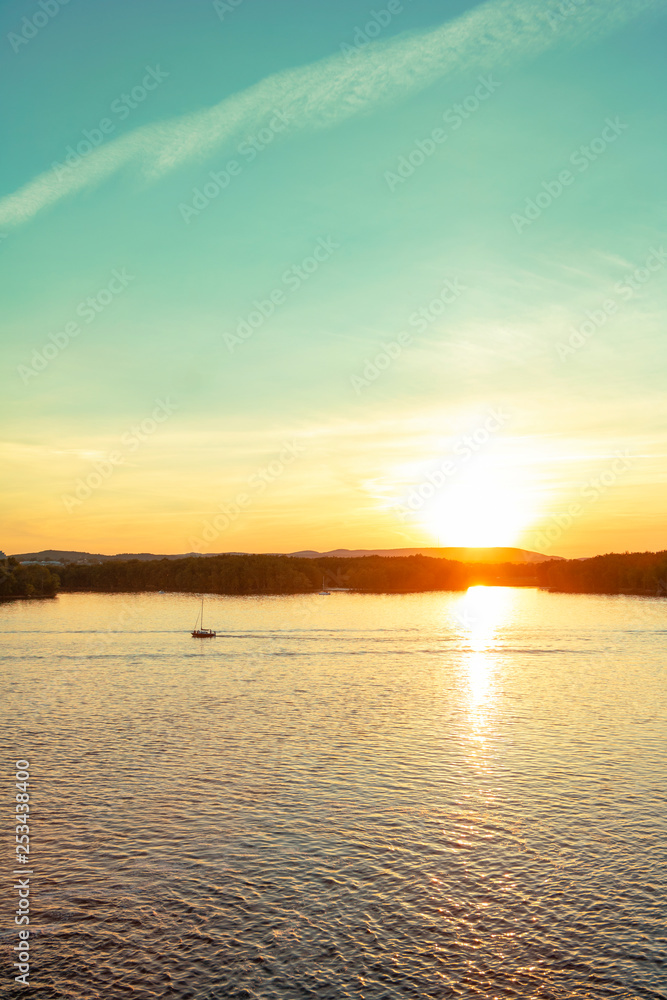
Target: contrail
<point>496,34</point>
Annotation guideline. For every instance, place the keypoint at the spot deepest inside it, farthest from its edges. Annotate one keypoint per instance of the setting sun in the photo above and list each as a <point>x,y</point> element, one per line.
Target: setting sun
<point>487,506</point>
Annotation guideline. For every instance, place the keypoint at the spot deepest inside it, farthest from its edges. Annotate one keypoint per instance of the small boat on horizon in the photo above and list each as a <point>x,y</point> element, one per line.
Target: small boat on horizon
<point>323,592</point>
<point>201,632</point>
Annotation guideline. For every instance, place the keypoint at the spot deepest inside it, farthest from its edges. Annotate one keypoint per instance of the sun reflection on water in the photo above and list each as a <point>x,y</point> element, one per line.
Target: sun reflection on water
<point>481,613</point>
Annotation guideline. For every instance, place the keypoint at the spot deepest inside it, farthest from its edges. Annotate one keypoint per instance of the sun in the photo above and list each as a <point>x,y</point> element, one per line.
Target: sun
<point>487,505</point>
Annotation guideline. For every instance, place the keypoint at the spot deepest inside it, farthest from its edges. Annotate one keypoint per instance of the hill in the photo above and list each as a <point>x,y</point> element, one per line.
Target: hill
<point>63,556</point>
<point>489,556</point>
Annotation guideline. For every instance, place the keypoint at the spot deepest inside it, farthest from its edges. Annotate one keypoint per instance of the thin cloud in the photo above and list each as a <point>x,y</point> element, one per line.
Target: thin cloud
<point>322,95</point>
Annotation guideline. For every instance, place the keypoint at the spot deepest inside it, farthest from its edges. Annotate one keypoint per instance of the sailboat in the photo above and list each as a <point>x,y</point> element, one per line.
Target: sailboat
<point>201,632</point>
<point>323,592</point>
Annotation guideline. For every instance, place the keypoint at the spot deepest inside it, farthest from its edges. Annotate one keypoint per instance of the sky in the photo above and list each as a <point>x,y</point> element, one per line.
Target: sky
<point>284,276</point>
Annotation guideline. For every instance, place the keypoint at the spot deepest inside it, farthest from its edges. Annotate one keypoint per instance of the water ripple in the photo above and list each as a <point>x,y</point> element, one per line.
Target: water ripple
<point>435,795</point>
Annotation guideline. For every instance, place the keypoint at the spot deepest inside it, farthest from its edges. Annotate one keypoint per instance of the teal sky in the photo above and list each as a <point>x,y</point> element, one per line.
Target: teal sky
<point>558,72</point>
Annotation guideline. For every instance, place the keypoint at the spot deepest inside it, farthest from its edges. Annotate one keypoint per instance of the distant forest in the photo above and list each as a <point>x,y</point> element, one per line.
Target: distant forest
<point>639,573</point>
<point>17,580</point>
<point>265,574</point>
<point>629,573</point>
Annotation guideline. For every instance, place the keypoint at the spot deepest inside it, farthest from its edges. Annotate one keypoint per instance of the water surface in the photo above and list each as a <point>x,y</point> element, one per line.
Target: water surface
<point>429,795</point>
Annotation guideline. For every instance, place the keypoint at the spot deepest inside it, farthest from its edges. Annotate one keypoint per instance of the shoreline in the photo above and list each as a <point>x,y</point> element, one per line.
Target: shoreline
<point>357,591</point>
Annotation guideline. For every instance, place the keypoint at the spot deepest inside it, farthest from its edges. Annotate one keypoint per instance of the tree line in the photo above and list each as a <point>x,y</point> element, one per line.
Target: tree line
<point>19,580</point>
<point>265,574</point>
<point>614,573</point>
<point>636,572</point>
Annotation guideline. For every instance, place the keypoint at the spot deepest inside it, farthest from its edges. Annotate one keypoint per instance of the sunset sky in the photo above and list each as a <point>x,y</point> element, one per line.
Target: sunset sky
<point>279,275</point>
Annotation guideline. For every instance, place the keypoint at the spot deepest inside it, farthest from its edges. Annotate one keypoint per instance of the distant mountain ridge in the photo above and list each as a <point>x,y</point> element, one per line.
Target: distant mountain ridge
<point>59,555</point>
<point>496,554</point>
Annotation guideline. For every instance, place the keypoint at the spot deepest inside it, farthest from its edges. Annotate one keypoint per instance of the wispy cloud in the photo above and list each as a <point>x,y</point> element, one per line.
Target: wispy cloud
<point>495,34</point>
